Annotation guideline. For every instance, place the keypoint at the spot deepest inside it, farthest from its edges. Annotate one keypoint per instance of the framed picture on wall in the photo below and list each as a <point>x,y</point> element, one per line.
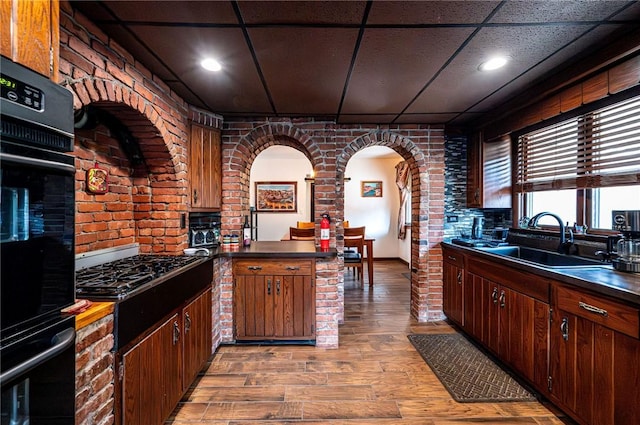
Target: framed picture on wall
<point>371,189</point>
<point>276,197</point>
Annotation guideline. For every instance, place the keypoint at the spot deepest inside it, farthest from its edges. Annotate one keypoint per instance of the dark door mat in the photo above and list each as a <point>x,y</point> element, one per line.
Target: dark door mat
<point>466,372</point>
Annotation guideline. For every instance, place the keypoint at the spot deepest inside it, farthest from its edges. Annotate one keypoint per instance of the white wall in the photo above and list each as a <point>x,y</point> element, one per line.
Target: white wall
<point>379,215</point>
<point>279,164</point>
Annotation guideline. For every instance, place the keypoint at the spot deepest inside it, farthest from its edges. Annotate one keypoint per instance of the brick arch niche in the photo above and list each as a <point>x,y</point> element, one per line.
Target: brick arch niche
<point>329,147</point>
<point>146,194</point>
<point>426,201</point>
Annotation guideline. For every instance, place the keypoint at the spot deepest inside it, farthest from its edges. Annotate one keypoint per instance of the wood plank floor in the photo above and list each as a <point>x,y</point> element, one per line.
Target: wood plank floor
<point>375,377</point>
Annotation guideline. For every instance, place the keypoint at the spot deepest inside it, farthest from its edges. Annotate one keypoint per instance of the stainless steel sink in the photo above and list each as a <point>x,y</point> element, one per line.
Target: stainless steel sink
<point>544,258</point>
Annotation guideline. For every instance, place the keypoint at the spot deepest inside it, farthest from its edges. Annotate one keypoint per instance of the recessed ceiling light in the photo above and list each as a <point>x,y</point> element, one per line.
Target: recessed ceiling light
<point>492,64</point>
<point>211,65</point>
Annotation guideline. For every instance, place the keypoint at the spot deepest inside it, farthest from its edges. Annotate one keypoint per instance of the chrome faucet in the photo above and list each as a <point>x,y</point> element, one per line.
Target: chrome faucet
<point>565,244</point>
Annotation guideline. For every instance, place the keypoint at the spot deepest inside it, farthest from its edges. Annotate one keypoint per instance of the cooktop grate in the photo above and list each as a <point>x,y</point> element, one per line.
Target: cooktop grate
<point>120,277</point>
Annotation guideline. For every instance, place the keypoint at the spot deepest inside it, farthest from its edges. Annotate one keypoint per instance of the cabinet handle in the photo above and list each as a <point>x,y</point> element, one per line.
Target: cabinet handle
<point>459,277</point>
<point>476,195</point>
<point>278,287</point>
<point>452,258</point>
<point>187,322</point>
<point>593,309</point>
<point>176,333</point>
<point>254,267</point>
<point>292,268</point>
<point>503,297</point>
<point>268,286</point>
<point>564,328</point>
<point>195,196</point>
<point>494,295</point>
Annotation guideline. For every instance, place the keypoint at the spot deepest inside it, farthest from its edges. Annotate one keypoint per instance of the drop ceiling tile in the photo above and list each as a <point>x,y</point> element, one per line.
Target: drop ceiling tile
<point>210,12</point>
<point>236,88</point>
<point>425,118</point>
<point>365,119</point>
<point>461,85</point>
<point>393,65</point>
<point>555,11</point>
<point>306,68</point>
<point>302,12</point>
<point>429,12</point>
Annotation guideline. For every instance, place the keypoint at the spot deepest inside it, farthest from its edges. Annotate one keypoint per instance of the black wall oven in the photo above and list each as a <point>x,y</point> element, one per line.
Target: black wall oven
<point>37,258</point>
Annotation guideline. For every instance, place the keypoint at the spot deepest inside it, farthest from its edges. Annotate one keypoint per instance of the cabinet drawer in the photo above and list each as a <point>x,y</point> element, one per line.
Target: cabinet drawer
<point>273,267</point>
<point>609,313</point>
<point>453,257</point>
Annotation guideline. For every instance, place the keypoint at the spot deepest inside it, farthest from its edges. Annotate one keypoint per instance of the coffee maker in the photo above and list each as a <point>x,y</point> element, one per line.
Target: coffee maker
<point>627,258</point>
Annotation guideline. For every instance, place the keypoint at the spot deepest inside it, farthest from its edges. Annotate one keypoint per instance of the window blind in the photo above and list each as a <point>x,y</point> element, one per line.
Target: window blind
<point>598,149</point>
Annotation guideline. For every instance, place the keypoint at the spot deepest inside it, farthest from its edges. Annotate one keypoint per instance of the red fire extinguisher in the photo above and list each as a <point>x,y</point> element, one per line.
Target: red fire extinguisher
<point>325,230</point>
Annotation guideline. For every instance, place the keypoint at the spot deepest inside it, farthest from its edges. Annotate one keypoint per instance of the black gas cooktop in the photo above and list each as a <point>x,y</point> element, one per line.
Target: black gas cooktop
<point>118,278</point>
<point>144,288</point>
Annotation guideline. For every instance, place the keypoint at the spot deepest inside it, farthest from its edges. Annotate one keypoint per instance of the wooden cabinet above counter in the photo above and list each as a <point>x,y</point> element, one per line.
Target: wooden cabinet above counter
<point>205,163</point>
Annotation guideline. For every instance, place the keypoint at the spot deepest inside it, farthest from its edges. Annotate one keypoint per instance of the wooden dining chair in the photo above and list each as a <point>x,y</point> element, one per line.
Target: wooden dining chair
<point>306,225</point>
<point>354,258</point>
<point>298,234</point>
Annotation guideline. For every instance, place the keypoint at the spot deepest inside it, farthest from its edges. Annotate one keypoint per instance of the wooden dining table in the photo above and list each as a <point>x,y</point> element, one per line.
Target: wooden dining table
<point>368,243</point>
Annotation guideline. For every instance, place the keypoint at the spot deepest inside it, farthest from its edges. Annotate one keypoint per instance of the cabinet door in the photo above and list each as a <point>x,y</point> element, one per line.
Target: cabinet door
<point>30,34</point>
<point>594,371</point>
<point>253,306</point>
<point>453,277</point>
<point>523,334</point>
<point>152,376</point>
<point>205,168</point>
<point>571,365</point>
<point>294,307</point>
<point>196,323</point>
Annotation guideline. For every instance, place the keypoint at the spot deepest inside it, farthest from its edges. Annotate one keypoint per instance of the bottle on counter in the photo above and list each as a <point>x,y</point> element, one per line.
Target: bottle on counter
<point>246,232</point>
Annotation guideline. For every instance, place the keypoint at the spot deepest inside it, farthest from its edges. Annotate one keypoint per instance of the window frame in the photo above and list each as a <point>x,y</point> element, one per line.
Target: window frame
<point>585,196</point>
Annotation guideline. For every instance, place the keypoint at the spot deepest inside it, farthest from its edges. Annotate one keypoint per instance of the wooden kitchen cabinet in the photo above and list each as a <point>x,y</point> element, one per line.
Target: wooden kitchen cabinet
<point>453,285</point>
<point>196,341</point>
<point>488,172</point>
<point>158,370</point>
<point>151,376</point>
<point>508,312</point>
<point>594,361</point>
<point>205,162</point>
<point>274,299</point>
<point>30,34</point>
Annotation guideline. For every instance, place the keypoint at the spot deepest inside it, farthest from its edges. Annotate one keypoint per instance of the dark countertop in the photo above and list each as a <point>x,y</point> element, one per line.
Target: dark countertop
<point>277,249</point>
<point>603,279</point>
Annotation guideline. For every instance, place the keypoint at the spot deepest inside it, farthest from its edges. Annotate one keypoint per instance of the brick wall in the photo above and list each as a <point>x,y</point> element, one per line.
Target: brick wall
<point>144,203</point>
<point>329,147</point>
<point>95,373</point>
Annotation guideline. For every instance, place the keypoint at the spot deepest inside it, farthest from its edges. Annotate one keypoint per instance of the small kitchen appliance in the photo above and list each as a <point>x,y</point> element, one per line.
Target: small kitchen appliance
<point>204,230</point>
<point>627,258</point>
